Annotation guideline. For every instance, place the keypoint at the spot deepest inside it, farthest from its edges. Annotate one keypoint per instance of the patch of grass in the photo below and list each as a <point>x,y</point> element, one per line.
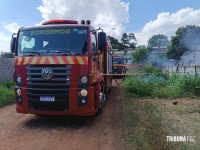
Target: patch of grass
<point>157,86</point>
<point>151,69</point>
<point>6,93</point>
<point>147,122</point>
<point>143,127</point>
<point>136,70</point>
<point>135,86</point>
<point>182,120</point>
<point>143,86</point>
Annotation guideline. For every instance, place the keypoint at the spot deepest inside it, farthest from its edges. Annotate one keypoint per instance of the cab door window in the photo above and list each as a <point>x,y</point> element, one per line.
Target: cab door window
<point>94,44</point>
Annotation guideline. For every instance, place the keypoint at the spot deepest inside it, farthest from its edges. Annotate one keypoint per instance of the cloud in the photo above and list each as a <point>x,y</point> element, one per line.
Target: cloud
<point>111,15</point>
<point>13,27</point>
<point>167,23</point>
<point>6,37</point>
<point>4,42</point>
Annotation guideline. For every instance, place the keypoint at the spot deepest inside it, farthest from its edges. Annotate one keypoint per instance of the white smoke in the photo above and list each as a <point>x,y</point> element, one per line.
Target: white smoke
<point>111,15</point>
<point>167,24</point>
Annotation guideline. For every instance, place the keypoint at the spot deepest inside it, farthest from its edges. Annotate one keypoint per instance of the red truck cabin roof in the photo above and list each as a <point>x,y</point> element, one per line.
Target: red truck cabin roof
<point>51,22</point>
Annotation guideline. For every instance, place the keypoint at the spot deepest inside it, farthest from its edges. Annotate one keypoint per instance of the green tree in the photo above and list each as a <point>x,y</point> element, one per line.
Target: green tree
<point>140,54</point>
<point>129,40</point>
<point>186,39</point>
<point>158,40</point>
<point>114,42</point>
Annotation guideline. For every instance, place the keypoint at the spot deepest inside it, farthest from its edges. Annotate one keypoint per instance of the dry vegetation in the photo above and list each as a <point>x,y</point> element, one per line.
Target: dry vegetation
<point>149,121</point>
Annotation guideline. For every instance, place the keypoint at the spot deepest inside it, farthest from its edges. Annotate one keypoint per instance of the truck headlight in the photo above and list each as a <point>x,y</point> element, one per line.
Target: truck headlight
<point>84,79</point>
<point>19,100</point>
<point>83,93</point>
<point>83,101</point>
<point>19,80</point>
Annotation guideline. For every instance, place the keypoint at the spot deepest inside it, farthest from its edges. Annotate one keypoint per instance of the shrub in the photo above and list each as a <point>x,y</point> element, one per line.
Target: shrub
<point>176,86</point>
<point>6,93</point>
<point>143,85</point>
<point>151,69</point>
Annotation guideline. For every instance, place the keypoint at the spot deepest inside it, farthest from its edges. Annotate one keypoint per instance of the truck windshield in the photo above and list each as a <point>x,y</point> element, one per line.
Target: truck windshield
<point>53,41</point>
<point>118,61</point>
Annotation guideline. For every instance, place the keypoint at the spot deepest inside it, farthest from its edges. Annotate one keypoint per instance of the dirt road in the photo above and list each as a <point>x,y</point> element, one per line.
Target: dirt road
<point>31,132</point>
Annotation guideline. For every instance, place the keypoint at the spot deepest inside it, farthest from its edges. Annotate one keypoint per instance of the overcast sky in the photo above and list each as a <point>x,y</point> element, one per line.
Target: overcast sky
<point>142,17</point>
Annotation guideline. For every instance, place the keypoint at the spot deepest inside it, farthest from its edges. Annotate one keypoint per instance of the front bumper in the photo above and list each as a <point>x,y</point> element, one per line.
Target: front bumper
<point>73,110</point>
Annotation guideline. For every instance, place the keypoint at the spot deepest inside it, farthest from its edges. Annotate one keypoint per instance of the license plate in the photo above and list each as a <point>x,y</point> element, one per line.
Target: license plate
<point>47,98</point>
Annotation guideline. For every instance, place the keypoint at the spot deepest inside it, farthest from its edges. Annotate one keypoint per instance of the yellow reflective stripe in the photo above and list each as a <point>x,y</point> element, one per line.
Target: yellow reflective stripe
<point>19,60</point>
<point>60,60</point>
<point>51,60</point>
<point>34,60</point>
<point>118,65</point>
<point>26,60</point>
<point>69,58</point>
<point>80,60</point>
<point>42,60</point>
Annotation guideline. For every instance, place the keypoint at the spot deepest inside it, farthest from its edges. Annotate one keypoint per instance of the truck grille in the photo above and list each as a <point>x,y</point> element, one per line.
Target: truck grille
<point>57,87</point>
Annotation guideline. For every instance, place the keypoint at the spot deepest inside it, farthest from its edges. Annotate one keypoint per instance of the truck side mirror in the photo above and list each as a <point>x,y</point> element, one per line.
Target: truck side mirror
<point>13,42</point>
<point>102,41</point>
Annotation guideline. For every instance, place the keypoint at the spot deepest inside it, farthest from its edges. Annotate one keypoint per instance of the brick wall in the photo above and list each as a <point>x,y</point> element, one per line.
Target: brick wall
<point>6,69</point>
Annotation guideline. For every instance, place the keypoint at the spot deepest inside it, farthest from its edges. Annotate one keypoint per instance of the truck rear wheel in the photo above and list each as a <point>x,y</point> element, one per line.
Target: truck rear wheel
<point>110,85</point>
<point>102,97</point>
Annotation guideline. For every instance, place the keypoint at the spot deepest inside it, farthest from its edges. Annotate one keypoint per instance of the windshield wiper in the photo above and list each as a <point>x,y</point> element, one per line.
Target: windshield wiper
<point>62,53</point>
<point>31,53</point>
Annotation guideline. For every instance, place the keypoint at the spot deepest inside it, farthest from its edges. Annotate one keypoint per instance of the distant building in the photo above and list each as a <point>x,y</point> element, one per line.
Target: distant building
<point>189,63</point>
<point>169,65</point>
<point>159,50</point>
<point>157,55</point>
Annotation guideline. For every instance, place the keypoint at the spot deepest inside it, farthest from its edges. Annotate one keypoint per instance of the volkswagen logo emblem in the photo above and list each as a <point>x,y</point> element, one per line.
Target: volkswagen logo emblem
<point>47,73</point>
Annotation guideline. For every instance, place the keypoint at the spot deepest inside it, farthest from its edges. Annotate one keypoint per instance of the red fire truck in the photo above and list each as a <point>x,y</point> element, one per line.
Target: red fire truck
<point>59,68</point>
<point>119,67</point>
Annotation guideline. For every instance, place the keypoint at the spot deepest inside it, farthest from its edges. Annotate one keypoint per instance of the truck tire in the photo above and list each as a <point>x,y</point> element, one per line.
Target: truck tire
<point>100,108</point>
<point>110,87</point>
<point>102,97</point>
<point>104,91</point>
